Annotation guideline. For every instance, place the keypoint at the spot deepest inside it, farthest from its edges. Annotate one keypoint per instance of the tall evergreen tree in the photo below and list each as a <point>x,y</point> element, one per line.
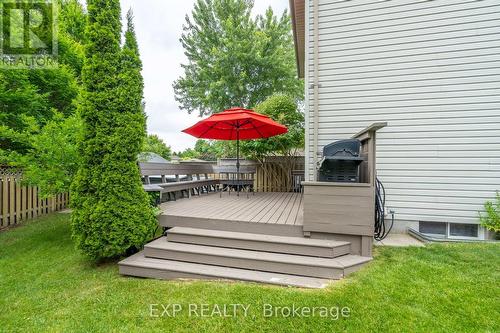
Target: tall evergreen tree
<point>111,211</point>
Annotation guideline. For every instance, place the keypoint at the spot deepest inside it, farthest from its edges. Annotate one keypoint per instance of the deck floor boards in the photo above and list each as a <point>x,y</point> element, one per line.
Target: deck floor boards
<point>248,212</point>
<point>229,205</point>
<point>269,206</point>
<point>272,207</point>
<point>281,209</point>
<point>288,210</point>
<point>297,209</point>
<point>299,217</point>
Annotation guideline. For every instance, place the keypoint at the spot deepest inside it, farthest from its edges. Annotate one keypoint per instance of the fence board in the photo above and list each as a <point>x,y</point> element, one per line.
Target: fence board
<point>12,200</point>
<point>35,203</point>
<point>29,213</point>
<point>18,200</point>
<point>24,201</point>
<point>5,201</point>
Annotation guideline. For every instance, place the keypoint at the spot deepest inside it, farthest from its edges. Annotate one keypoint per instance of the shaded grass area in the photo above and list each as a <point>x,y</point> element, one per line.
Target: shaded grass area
<point>46,285</point>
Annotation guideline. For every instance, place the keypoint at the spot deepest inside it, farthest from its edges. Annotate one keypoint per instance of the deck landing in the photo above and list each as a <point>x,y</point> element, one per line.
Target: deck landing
<point>277,213</point>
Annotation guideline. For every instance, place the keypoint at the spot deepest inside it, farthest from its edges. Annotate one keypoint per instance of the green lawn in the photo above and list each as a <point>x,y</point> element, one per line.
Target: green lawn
<point>45,285</point>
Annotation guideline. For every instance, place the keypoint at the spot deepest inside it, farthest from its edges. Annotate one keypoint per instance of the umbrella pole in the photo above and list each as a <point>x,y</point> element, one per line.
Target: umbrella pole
<point>238,161</point>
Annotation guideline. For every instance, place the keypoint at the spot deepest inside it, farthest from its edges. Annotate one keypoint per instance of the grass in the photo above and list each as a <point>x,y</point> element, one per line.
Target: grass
<point>46,285</point>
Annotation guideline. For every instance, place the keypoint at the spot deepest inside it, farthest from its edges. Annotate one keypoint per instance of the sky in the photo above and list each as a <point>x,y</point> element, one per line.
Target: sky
<point>158,25</point>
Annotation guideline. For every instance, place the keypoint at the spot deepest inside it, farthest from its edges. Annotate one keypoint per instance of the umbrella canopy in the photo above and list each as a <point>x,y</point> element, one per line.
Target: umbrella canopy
<point>236,124</point>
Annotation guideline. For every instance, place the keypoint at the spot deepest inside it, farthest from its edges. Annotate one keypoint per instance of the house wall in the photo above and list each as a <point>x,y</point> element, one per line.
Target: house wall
<point>431,69</point>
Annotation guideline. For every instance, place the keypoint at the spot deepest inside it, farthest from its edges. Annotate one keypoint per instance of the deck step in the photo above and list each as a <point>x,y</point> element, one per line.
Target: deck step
<point>259,242</point>
<point>329,268</point>
<point>141,266</point>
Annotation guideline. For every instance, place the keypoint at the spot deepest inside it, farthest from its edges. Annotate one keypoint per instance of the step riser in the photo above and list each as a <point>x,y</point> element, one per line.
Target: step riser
<point>159,274</point>
<point>141,266</point>
<point>174,275</point>
<point>252,264</point>
<point>324,252</point>
<point>352,269</point>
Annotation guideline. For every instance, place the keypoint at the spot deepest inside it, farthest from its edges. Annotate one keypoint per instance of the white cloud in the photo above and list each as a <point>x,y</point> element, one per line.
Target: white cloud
<point>158,26</point>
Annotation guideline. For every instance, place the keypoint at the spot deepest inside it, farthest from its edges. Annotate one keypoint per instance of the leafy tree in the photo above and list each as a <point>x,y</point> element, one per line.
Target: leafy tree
<point>31,98</point>
<point>111,211</point>
<point>210,150</point>
<point>53,159</point>
<point>207,150</point>
<point>187,154</point>
<point>153,144</point>
<point>22,105</point>
<point>20,97</point>
<point>283,109</point>
<point>233,59</point>
<point>59,87</point>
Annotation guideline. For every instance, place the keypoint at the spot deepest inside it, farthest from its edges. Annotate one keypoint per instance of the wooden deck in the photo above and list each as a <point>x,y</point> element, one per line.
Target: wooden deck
<point>258,238</point>
<point>279,213</point>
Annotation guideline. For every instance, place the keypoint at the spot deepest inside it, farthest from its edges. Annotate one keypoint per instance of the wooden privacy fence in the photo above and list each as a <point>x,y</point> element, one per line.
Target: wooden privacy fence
<point>19,202</point>
<point>279,174</point>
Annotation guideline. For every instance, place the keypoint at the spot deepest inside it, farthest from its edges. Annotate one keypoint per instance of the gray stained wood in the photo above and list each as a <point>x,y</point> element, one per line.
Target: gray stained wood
<point>263,207</point>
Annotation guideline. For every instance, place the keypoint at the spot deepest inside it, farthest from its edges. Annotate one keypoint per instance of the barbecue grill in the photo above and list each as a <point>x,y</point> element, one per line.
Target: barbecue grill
<point>340,162</point>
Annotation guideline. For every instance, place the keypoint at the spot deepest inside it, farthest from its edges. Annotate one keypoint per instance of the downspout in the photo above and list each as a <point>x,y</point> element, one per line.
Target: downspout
<point>316,87</point>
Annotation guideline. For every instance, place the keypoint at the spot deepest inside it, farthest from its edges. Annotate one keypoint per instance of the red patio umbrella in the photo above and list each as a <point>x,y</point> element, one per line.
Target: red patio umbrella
<point>236,124</point>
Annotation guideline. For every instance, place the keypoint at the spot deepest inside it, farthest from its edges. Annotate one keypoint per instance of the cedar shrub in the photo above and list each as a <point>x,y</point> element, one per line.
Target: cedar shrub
<point>111,212</point>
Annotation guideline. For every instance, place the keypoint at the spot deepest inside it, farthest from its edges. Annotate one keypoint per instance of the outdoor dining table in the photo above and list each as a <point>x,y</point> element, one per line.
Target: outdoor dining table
<point>232,179</point>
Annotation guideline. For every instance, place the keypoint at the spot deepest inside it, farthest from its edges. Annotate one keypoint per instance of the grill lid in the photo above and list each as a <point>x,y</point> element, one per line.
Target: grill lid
<point>340,162</point>
<point>347,150</point>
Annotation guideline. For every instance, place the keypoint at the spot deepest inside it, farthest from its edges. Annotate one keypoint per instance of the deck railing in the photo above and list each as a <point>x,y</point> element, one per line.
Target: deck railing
<point>19,202</point>
<point>274,174</point>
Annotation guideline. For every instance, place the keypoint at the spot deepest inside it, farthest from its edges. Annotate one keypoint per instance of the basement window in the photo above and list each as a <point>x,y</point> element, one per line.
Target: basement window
<point>464,230</point>
<point>449,230</point>
<point>432,228</point>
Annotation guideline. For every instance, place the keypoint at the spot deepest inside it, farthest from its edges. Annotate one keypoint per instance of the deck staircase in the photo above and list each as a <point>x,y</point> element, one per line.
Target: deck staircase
<point>193,253</point>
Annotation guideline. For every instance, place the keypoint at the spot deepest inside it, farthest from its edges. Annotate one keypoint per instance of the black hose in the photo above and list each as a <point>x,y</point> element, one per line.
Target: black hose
<point>381,231</point>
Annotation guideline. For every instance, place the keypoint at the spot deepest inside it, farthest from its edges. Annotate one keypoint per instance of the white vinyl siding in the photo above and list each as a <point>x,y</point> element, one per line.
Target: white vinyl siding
<point>431,69</point>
